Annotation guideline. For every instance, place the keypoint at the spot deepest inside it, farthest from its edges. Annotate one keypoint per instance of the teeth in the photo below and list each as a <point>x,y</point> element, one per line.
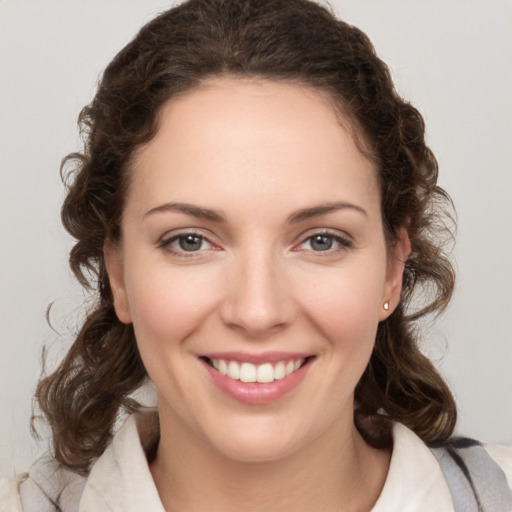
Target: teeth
<point>247,372</point>
<point>279,371</point>
<point>263,373</point>
<point>233,370</point>
<point>223,367</point>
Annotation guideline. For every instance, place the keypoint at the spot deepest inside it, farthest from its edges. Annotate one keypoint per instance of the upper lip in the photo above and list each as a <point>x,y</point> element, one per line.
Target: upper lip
<point>263,357</point>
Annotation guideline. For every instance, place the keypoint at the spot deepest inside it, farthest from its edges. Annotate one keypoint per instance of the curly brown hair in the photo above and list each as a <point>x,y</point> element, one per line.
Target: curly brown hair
<point>282,40</point>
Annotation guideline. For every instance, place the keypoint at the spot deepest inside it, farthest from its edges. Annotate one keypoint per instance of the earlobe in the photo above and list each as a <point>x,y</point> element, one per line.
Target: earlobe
<point>400,251</point>
<point>114,264</point>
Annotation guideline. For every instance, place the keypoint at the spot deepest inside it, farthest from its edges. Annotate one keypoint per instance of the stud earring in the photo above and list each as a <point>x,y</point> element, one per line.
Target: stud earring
<point>386,305</point>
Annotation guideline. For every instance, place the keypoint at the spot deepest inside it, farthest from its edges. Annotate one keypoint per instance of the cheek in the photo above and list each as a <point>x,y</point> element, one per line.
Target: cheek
<point>168,303</point>
<point>344,305</point>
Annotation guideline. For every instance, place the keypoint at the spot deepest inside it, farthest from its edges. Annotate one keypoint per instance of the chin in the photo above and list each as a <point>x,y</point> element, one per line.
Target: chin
<point>258,443</point>
<point>258,450</point>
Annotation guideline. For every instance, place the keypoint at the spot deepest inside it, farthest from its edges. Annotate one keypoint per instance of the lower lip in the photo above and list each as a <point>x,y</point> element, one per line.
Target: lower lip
<point>255,393</point>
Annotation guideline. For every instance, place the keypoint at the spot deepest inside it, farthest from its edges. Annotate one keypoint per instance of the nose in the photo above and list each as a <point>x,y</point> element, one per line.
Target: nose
<point>257,299</point>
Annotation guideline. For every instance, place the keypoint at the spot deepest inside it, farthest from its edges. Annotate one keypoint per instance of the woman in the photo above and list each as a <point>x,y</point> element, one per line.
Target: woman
<point>255,207</point>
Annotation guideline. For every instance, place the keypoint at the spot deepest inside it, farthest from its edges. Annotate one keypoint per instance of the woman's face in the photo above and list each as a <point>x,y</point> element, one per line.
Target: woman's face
<point>253,248</point>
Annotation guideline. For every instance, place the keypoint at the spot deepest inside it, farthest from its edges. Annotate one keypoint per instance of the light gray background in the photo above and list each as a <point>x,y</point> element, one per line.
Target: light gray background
<point>451,58</point>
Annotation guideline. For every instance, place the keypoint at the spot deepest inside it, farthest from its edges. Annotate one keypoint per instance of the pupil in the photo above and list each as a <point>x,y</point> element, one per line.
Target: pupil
<point>321,243</point>
<point>190,243</point>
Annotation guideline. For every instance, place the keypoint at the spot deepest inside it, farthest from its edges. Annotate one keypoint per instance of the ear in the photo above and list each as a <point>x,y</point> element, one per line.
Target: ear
<point>114,263</point>
<point>399,253</point>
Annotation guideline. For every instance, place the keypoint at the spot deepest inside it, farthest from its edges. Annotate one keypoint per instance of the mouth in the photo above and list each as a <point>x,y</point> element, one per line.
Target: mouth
<point>257,379</point>
<point>263,373</point>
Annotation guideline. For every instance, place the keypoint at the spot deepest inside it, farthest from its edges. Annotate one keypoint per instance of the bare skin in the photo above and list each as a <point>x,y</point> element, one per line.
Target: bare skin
<point>253,227</point>
<point>320,478</point>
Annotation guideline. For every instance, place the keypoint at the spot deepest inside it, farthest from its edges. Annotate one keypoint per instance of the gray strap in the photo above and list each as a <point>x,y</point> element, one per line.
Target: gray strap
<point>490,489</point>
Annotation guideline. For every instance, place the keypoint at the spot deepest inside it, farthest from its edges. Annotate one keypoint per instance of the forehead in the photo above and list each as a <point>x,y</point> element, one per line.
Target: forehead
<point>256,137</point>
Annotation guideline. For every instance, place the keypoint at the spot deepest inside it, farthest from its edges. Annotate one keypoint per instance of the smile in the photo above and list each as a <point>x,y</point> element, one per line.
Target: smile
<point>262,373</point>
<point>257,379</point>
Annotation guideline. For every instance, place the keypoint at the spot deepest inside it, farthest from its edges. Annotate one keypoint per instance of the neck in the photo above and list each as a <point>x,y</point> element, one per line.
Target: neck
<point>337,472</point>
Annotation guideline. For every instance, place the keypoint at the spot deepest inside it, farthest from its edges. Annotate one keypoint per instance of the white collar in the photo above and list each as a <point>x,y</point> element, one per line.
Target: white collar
<point>415,482</point>
<point>121,480</point>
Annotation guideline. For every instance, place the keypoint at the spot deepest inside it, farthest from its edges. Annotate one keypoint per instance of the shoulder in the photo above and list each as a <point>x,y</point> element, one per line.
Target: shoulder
<point>120,479</point>
<point>46,487</point>
<point>422,478</point>
<point>502,455</point>
<point>415,481</point>
<point>481,459</point>
<point>10,500</point>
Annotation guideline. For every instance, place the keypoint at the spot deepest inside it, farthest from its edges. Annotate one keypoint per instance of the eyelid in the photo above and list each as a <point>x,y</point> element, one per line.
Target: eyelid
<point>340,237</point>
<point>343,239</point>
<point>174,233</point>
<point>169,237</point>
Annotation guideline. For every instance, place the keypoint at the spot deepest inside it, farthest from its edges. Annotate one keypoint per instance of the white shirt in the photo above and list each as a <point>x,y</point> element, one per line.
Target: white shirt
<point>120,480</point>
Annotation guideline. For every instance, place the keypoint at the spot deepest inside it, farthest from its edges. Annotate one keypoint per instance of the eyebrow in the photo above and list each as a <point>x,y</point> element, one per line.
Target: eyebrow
<point>189,209</point>
<point>215,216</point>
<point>317,211</point>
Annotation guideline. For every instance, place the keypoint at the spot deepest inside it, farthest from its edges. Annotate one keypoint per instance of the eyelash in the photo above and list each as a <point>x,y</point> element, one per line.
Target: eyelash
<point>166,244</point>
<point>343,242</point>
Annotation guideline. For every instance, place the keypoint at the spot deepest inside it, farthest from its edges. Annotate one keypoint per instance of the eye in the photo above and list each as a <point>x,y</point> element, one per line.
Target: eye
<point>185,243</point>
<point>190,243</point>
<point>325,242</point>
<point>321,242</point>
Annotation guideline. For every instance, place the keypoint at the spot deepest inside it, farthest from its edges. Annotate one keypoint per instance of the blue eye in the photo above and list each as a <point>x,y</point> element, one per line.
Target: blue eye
<point>185,243</point>
<point>321,242</point>
<point>190,243</point>
<point>326,242</point>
